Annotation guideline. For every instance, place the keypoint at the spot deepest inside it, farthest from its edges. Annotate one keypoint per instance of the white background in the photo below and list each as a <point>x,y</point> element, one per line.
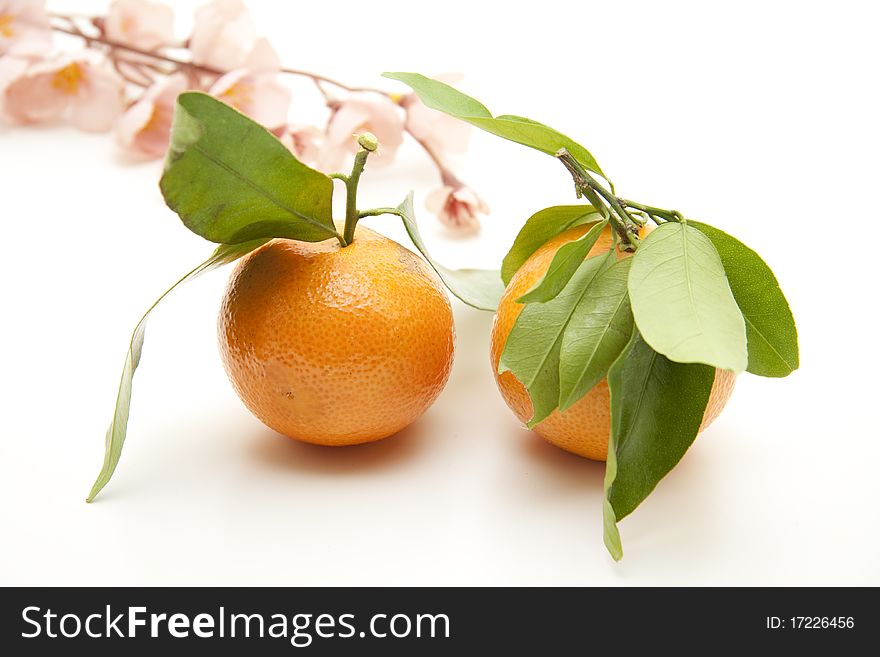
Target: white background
<point>760,118</point>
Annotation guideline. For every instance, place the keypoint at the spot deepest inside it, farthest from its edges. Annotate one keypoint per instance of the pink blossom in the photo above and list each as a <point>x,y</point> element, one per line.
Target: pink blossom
<point>140,23</point>
<point>255,90</point>
<point>259,96</point>
<point>90,93</point>
<point>359,113</point>
<point>439,131</point>
<point>223,35</point>
<point>11,69</point>
<point>24,28</point>
<point>457,207</point>
<point>145,127</point>
<point>303,141</point>
<point>261,58</point>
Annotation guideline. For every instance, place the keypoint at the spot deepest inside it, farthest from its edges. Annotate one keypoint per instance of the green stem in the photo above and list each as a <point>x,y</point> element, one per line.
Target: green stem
<point>351,212</point>
<point>379,211</point>
<point>617,207</point>
<point>651,211</point>
<point>613,207</point>
<point>369,144</point>
<point>591,188</point>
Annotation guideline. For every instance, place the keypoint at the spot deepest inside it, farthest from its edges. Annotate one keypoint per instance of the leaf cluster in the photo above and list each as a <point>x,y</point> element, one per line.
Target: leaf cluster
<point>690,301</point>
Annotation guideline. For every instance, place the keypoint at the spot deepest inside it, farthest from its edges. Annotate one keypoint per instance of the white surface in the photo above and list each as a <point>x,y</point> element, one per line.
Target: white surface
<point>760,119</point>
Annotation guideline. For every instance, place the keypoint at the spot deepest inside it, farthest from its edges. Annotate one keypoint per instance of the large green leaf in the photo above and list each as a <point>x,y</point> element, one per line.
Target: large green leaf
<point>540,227</point>
<point>657,407</point>
<point>681,300</point>
<point>115,437</point>
<point>599,329</point>
<point>565,261</point>
<point>533,346</point>
<point>442,97</point>
<point>770,327</point>
<point>232,181</point>
<point>480,288</point>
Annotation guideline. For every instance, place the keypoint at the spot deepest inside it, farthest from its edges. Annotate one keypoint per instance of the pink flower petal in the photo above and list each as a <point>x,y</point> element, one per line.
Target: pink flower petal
<point>10,69</point>
<point>439,131</point>
<point>261,97</point>
<point>303,141</point>
<point>145,128</point>
<point>359,113</point>
<point>41,93</point>
<point>339,140</point>
<point>132,123</point>
<point>262,58</point>
<point>345,122</point>
<point>24,28</point>
<point>100,101</point>
<point>436,199</point>
<point>227,82</point>
<point>270,104</point>
<point>223,35</point>
<point>457,208</point>
<point>140,23</point>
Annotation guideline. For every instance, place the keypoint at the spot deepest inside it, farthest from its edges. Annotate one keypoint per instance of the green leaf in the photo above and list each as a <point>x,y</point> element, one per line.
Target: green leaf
<point>442,97</point>
<point>232,181</point>
<point>657,407</point>
<point>681,300</point>
<point>770,328</point>
<point>116,432</point>
<point>480,288</point>
<point>599,330</point>
<point>565,261</point>
<point>540,227</point>
<point>611,535</point>
<point>533,346</point>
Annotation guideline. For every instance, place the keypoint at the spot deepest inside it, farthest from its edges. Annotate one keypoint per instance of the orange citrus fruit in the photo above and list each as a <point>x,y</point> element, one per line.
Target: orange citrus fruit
<point>584,427</point>
<point>336,345</point>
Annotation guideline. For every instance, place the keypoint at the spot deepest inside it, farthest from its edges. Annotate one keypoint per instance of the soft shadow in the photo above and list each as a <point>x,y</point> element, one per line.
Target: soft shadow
<point>127,158</point>
<point>680,521</point>
<point>274,450</point>
<point>561,472</point>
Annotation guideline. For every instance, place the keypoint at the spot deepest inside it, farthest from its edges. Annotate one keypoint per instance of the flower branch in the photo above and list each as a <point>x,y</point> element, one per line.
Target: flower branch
<point>133,68</point>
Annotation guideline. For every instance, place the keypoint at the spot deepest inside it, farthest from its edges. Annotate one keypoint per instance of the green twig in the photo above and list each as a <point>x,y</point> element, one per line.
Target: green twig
<point>591,188</point>
<point>614,208</point>
<point>379,211</point>
<point>369,144</point>
<point>652,212</point>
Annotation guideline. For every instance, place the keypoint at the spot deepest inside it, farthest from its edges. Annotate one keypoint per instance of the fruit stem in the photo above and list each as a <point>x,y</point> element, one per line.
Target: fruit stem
<point>379,212</point>
<point>369,144</point>
<point>612,207</point>
<point>652,212</point>
<point>609,206</point>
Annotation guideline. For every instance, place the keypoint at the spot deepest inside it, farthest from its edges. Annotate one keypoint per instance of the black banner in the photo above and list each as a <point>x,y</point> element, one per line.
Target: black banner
<point>431,621</point>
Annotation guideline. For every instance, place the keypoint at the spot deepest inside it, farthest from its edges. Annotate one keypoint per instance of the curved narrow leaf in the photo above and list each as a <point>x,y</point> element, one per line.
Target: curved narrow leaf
<point>565,261</point>
<point>599,330</point>
<point>232,181</point>
<point>540,227</point>
<point>533,346</point>
<point>770,328</point>
<point>442,97</point>
<point>681,300</point>
<point>657,407</point>
<point>115,437</point>
<point>480,288</point>
<point>610,533</point>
